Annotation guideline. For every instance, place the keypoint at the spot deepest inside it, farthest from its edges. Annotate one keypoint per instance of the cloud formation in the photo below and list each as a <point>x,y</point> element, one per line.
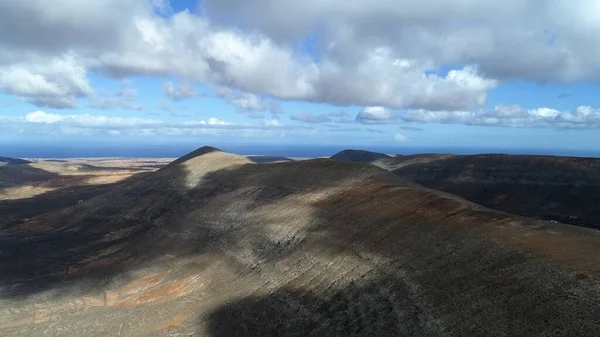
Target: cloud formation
<point>179,91</point>
<point>513,116</point>
<point>130,39</point>
<point>44,123</point>
<point>333,117</point>
<point>423,61</point>
<point>309,117</point>
<point>376,115</point>
<point>513,39</point>
<point>252,105</point>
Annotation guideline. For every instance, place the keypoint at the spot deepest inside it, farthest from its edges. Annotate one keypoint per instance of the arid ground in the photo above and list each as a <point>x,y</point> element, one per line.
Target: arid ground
<point>216,244</point>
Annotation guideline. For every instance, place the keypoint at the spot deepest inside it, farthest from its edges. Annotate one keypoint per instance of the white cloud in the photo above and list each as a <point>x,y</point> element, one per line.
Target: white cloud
<point>252,105</point>
<point>515,116</point>
<point>213,121</point>
<point>507,39</point>
<point>130,40</point>
<point>179,91</point>
<point>55,83</point>
<point>40,122</point>
<point>375,115</point>
<point>87,120</point>
<point>367,54</point>
<point>248,102</point>
<point>42,117</point>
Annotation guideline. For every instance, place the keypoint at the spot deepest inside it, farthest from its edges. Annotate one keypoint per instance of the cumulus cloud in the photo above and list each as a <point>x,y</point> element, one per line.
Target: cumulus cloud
<point>55,82</point>
<point>508,39</point>
<point>376,115</point>
<point>252,105</point>
<point>437,55</point>
<point>130,39</point>
<point>179,91</point>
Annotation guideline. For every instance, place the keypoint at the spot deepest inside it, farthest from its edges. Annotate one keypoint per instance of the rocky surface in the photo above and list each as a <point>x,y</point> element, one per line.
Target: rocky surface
<point>214,245</point>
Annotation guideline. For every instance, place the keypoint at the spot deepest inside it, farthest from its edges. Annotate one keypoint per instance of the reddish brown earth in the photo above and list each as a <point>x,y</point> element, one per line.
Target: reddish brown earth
<point>215,245</point>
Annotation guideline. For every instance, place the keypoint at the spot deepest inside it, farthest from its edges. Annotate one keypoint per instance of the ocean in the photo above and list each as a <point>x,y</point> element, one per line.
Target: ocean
<point>77,150</point>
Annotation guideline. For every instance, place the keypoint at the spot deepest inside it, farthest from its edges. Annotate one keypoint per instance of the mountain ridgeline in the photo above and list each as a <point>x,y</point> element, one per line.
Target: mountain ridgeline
<point>217,245</point>
<point>564,189</point>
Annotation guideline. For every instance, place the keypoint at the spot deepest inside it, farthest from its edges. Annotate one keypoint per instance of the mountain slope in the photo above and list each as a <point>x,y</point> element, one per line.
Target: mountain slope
<point>215,245</point>
<point>6,161</point>
<point>553,188</point>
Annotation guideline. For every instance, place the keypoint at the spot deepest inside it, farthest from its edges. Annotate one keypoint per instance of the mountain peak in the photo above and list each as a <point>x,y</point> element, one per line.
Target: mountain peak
<point>196,153</point>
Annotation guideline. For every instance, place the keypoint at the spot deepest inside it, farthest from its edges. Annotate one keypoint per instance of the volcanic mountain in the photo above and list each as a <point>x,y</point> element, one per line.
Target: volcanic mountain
<point>359,156</point>
<point>216,245</point>
<point>564,189</point>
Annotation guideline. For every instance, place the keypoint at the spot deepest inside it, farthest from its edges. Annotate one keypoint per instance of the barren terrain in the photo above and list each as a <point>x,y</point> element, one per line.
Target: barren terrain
<point>216,245</point>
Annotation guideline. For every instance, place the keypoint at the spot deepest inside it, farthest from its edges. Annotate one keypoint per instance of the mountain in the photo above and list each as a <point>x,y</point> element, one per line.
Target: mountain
<point>564,189</point>
<point>215,245</point>
<point>268,159</point>
<point>5,161</point>
<point>358,156</point>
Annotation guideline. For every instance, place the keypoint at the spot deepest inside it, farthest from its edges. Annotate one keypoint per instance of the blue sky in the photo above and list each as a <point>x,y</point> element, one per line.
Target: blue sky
<point>390,74</point>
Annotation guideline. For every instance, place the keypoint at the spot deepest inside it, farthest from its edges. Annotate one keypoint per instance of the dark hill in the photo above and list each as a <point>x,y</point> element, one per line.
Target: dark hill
<point>13,175</point>
<point>268,159</point>
<point>565,189</point>
<point>6,161</point>
<point>358,156</point>
<point>217,246</point>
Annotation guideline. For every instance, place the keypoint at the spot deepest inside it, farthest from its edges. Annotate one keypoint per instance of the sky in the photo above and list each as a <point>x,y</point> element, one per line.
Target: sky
<point>507,74</point>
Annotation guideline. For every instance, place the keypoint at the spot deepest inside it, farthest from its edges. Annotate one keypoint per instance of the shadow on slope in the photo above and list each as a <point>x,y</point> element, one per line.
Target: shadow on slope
<point>551,188</point>
<point>22,174</point>
<point>7,161</point>
<point>146,218</point>
<point>16,211</point>
<point>403,262</point>
<point>313,247</point>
